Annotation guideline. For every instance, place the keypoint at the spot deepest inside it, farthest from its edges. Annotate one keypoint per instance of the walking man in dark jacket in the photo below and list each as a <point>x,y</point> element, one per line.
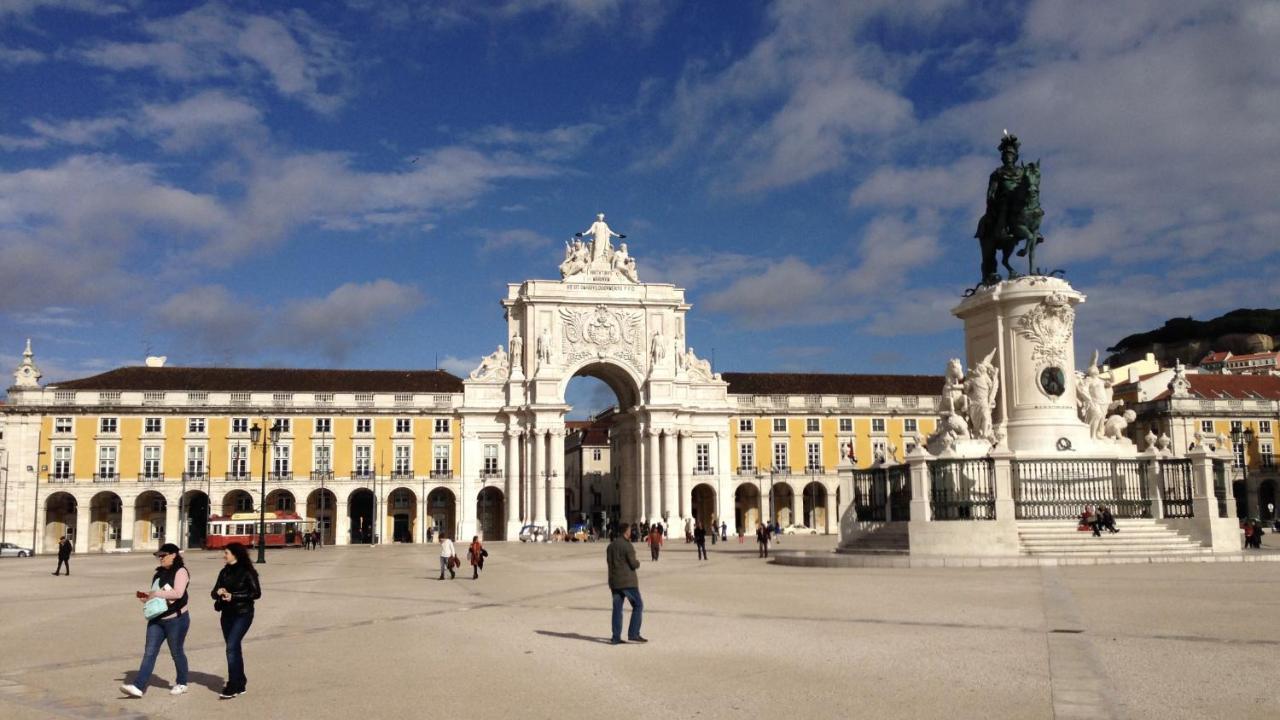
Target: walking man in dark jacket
<point>64,555</point>
<point>762,539</point>
<point>700,541</point>
<point>623,583</point>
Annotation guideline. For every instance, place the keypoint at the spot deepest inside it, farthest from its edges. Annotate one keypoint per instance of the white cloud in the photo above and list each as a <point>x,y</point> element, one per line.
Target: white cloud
<point>807,98</point>
<point>229,327</point>
<point>12,56</point>
<point>348,317</point>
<point>295,56</point>
<point>460,366</point>
<point>198,119</point>
<point>211,318</point>
<point>19,8</point>
<point>554,144</point>
<point>520,239</point>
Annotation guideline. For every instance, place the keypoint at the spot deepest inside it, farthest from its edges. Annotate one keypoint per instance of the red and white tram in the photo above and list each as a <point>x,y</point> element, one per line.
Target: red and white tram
<point>284,529</point>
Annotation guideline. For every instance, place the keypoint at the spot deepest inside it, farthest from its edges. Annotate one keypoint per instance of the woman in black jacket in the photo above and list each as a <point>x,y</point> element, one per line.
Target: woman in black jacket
<point>233,594</point>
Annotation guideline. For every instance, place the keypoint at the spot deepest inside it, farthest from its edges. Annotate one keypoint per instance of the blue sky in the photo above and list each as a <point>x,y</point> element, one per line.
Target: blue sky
<point>351,184</point>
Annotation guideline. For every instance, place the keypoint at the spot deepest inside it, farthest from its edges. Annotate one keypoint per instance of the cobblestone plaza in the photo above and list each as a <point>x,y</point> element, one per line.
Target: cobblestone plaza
<point>369,631</point>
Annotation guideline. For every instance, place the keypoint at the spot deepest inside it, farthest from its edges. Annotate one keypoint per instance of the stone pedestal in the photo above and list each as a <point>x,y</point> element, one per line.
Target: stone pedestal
<point>1029,322</point>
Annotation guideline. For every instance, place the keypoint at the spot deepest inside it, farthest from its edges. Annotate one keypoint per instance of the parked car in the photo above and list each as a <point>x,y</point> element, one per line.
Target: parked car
<point>533,533</point>
<point>10,550</point>
<point>798,530</point>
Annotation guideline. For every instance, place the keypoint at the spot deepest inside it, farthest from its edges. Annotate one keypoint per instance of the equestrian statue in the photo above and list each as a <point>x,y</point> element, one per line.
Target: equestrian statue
<point>1013,213</point>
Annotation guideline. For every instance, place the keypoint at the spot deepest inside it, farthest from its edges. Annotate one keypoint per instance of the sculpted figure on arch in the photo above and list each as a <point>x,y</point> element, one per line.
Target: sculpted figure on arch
<point>600,233</point>
<point>980,388</point>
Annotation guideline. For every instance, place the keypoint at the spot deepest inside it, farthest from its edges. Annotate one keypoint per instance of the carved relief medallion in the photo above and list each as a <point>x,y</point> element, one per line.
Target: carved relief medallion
<point>603,333</point>
<point>1049,327</point>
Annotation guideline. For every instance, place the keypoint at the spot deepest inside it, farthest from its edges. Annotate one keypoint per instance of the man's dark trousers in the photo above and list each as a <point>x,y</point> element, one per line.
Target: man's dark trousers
<point>702,550</point>
<point>632,596</point>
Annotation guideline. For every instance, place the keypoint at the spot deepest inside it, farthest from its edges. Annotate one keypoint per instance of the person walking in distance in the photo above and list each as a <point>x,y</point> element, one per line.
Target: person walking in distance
<point>448,556</point>
<point>476,554</point>
<point>165,607</point>
<point>762,540</point>
<point>623,583</point>
<point>655,542</point>
<point>64,556</point>
<point>700,541</point>
<point>234,593</point>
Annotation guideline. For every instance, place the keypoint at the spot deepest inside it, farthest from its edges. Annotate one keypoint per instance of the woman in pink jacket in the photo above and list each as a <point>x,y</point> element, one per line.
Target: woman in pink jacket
<point>170,584</point>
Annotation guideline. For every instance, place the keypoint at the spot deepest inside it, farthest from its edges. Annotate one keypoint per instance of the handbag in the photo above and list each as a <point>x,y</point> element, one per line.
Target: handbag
<point>155,607</point>
<point>455,562</point>
<point>484,553</point>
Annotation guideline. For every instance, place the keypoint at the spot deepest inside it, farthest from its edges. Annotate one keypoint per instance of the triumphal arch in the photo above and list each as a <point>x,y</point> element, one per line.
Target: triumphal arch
<point>598,319</point>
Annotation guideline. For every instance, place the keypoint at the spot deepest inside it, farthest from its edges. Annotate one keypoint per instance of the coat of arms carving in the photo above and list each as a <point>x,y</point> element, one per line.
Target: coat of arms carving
<point>1049,326</point>
<point>603,333</point>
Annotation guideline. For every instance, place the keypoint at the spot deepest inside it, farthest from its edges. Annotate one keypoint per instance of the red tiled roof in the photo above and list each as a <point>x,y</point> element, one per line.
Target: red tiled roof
<point>266,380</point>
<point>832,384</point>
<point>1215,357</point>
<point>1211,386</point>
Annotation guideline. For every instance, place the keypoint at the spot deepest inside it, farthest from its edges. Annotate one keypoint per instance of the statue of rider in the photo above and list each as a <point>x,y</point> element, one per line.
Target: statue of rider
<point>994,229</point>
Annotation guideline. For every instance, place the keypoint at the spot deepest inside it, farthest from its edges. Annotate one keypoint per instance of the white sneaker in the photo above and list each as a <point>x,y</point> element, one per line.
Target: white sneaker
<point>131,691</point>
<point>178,690</point>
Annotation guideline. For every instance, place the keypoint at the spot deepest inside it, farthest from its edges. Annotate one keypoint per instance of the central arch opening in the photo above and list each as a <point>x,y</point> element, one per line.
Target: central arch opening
<point>602,397</point>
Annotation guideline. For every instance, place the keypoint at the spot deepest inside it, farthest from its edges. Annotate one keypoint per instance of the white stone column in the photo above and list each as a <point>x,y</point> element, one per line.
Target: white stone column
<point>683,467</point>
<point>653,479</point>
<point>725,502</point>
<point>511,474</point>
<point>341,523</point>
<point>171,524</point>
<point>128,515</point>
<point>832,521</point>
<point>635,466</point>
<point>83,517</point>
<point>538,471</point>
<point>555,493</point>
<point>469,485</point>
<point>671,489</point>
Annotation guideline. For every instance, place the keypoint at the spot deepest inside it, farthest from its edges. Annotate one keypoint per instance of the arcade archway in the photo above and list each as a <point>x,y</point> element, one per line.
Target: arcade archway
<point>195,515</point>
<point>746,507</point>
<point>402,515</point>
<point>442,512</point>
<point>59,519</point>
<point>360,516</point>
<point>281,501</point>
<point>105,510</point>
<point>320,504</point>
<point>702,506</point>
<point>237,501</point>
<point>1267,500</point>
<point>149,520</point>
<point>490,514</point>
<point>814,497</point>
<point>782,504</point>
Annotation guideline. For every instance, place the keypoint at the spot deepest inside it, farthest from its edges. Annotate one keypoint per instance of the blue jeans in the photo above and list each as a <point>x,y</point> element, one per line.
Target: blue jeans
<point>637,612</point>
<point>158,632</point>
<point>234,628</point>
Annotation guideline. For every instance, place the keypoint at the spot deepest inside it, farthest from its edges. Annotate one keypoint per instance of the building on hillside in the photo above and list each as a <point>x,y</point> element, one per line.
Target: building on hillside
<point>591,492</point>
<point>1215,361</point>
<point>137,456</point>
<point>1245,409</point>
<point>1263,363</point>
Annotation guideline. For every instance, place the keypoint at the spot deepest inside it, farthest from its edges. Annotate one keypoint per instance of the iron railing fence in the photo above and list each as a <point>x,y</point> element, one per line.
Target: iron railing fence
<point>899,477</point>
<point>1176,488</point>
<point>870,493</point>
<point>1062,489</point>
<point>1220,486</point>
<point>962,489</point>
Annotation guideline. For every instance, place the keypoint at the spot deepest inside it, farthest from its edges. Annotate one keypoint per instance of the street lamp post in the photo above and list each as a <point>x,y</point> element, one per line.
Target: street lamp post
<point>255,435</point>
<point>1243,438</point>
